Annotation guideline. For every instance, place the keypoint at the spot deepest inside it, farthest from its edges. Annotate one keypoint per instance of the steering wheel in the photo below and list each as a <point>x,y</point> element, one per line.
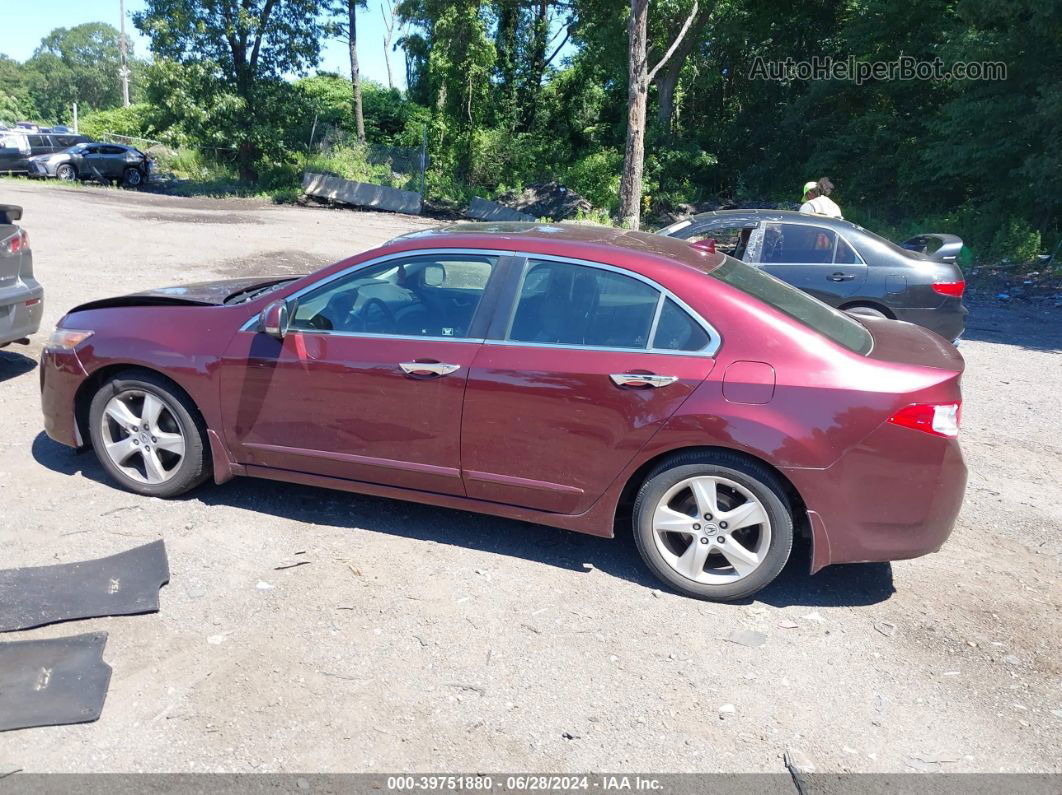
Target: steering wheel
<point>377,313</point>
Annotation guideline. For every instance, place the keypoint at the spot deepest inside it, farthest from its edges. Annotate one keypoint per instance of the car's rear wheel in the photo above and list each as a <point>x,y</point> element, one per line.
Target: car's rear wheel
<point>713,525</point>
<point>866,311</point>
<point>148,436</point>
<point>66,172</point>
<point>132,178</point>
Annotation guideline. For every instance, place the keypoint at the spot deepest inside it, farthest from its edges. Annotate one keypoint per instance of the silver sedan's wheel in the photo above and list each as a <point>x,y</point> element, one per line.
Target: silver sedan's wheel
<point>143,436</point>
<point>711,530</point>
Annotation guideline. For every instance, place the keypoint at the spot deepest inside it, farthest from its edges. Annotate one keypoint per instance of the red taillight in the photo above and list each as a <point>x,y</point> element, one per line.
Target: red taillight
<point>938,419</point>
<point>954,289</point>
<point>17,242</point>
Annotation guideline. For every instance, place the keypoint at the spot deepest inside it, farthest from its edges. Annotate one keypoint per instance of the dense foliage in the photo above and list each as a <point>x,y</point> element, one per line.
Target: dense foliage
<point>511,92</point>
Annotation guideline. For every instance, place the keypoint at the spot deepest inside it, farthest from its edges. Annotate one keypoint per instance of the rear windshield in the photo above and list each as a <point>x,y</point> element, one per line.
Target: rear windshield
<point>800,306</point>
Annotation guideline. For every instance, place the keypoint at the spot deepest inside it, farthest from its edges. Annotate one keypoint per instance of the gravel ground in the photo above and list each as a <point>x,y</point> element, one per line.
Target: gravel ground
<point>426,639</point>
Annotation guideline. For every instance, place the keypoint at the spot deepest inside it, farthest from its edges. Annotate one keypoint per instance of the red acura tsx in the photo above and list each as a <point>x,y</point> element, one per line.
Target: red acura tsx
<point>577,376</point>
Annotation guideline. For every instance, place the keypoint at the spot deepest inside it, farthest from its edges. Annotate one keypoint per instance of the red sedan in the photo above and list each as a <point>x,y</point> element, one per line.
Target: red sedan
<point>568,375</point>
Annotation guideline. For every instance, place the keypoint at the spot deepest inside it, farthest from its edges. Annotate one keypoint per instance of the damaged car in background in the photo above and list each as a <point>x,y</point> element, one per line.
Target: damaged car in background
<point>102,162</point>
<point>843,264</point>
<point>581,377</point>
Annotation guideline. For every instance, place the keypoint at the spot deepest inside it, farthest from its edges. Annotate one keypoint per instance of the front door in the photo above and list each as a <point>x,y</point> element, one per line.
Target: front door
<point>587,366</point>
<point>812,258</point>
<point>368,382</point>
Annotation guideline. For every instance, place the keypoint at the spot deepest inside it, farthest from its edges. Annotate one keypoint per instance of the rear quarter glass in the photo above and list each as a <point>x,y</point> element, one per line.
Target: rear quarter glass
<point>796,304</point>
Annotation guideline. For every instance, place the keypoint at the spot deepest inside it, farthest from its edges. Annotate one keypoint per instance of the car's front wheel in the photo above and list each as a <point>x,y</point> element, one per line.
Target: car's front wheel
<point>132,178</point>
<point>148,436</point>
<point>66,172</point>
<point>713,525</point>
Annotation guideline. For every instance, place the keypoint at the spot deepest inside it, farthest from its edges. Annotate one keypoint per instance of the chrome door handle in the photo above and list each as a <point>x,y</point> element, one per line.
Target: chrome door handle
<point>841,277</point>
<point>642,379</point>
<point>425,368</point>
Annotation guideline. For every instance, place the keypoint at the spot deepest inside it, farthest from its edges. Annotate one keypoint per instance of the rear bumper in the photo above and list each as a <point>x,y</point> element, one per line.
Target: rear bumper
<point>21,307</point>
<point>894,496</point>
<point>61,376</point>
<point>949,320</point>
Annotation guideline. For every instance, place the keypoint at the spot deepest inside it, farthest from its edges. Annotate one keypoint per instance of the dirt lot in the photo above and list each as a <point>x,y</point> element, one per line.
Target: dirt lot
<point>426,639</point>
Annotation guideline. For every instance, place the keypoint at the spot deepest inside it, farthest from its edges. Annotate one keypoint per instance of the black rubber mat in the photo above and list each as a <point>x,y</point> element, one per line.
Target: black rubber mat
<point>52,682</point>
<point>121,585</point>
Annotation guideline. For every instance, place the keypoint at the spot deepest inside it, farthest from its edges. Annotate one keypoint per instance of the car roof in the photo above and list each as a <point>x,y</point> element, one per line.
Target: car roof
<point>766,214</point>
<point>604,244</point>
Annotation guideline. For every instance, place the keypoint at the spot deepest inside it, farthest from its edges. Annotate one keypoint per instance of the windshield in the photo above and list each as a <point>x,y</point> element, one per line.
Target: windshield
<point>830,322</point>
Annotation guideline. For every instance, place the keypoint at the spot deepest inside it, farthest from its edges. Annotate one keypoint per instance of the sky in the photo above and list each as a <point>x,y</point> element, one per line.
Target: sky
<point>24,23</point>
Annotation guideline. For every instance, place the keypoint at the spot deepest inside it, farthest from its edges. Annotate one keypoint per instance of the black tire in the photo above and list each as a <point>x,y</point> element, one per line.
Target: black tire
<point>194,467</point>
<point>132,178</point>
<point>66,172</point>
<point>757,479</point>
<point>866,311</point>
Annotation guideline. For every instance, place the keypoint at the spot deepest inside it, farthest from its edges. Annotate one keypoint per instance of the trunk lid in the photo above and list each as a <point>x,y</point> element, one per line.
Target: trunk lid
<point>905,343</point>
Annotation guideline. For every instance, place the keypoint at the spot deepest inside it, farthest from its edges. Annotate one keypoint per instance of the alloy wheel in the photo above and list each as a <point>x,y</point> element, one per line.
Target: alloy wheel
<point>711,530</point>
<point>143,436</point>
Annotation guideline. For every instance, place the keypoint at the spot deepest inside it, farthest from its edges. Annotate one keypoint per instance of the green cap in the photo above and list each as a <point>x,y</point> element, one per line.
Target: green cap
<point>809,186</point>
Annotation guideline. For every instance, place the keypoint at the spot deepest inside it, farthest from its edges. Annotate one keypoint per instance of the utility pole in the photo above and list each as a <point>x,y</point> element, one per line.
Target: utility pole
<point>123,70</point>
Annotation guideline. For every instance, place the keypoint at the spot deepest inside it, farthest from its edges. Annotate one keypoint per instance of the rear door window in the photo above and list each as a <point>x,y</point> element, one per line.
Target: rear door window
<point>845,254</point>
<point>561,303</point>
<point>677,331</point>
<point>797,244</point>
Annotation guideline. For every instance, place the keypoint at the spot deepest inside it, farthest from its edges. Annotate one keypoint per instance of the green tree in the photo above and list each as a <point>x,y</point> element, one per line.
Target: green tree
<point>240,51</point>
<point>78,64</point>
<point>15,101</point>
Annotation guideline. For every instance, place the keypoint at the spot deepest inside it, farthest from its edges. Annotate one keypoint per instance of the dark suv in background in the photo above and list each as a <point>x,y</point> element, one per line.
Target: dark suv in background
<point>842,264</point>
<point>18,146</point>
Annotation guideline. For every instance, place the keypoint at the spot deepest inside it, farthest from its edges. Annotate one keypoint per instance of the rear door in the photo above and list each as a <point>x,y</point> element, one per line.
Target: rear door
<point>582,365</point>
<point>113,161</point>
<point>815,259</point>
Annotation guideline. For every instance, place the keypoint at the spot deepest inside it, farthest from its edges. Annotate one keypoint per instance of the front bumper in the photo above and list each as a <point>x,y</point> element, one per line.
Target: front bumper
<point>61,374</point>
<point>21,307</point>
<point>38,169</point>
<point>894,496</point>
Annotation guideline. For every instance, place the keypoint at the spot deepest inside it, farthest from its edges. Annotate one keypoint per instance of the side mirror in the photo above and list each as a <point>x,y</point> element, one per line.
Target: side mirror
<point>274,319</point>
<point>707,244</point>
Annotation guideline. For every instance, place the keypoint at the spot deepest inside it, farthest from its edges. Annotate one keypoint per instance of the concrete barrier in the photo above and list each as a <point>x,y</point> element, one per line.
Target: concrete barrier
<point>484,210</point>
<point>360,194</point>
